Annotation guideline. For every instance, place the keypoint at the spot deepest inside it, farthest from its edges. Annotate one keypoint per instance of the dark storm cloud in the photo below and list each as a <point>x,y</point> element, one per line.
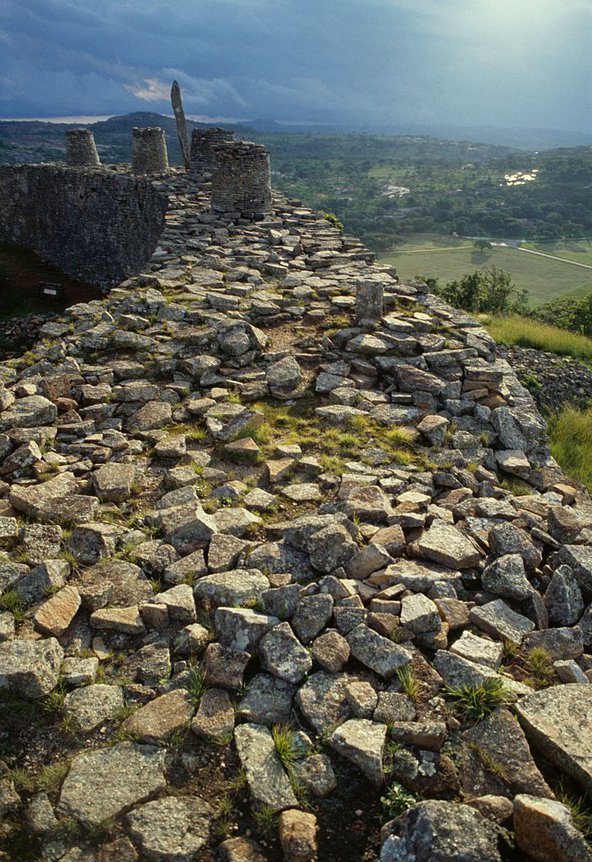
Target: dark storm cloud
<point>465,61</point>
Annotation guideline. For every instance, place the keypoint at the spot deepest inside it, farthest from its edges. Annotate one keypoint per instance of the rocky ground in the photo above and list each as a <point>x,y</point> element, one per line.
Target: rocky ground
<point>277,584</point>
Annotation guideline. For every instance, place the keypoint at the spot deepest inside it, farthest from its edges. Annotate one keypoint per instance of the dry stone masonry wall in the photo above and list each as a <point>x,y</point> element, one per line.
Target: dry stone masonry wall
<point>273,553</point>
<point>203,148</point>
<point>96,225</point>
<point>241,183</point>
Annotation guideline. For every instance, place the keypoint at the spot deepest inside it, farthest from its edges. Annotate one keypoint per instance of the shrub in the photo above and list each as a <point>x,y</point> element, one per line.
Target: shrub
<point>486,290</point>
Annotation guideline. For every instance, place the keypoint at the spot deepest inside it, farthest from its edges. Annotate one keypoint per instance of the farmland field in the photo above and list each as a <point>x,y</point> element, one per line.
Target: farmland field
<point>448,258</point>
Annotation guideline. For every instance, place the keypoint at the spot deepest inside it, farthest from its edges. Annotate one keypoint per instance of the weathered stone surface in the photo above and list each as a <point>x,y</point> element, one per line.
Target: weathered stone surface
<point>30,668</point>
<point>173,829</point>
<point>330,547</point>
<point>323,700</point>
<point>563,598</point>
<point>376,652</point>
<point>29,412</point>
<point>100,784</point>
<point>283,655</point>
<point>161,717</point>
<point>231,588</point>
<point>267,700</point>
<point>500,621</point>
<point>558,722</point>
<point>298,836</point>
<point>224,667</point>
<point>446,545</point>
<point>497,759</point>
<point>362,741</point>
<point>479,650</point>
<point>242,628</point>
<point>240,850</point>
<point>437,831</point>
<point>55,615</point>
<point>113,482</point>
<point>506,577</point>
<point>545,831</point>
<point>126,620</point>
<point>331,650</point>
<point>316,774</point>
<point>419,614</point>
<point>311,616</point>
<point>214,719</point>
<point>94,704</point>
<point>268,783</point>
<point>187,528</point>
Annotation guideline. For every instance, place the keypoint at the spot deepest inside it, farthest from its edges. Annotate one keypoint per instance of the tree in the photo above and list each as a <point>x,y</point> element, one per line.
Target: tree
<point>486,290</point>
<point>482,244</point>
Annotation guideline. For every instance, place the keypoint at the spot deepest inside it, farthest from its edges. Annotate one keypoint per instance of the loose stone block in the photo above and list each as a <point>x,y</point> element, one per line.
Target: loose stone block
<point>369,300</point>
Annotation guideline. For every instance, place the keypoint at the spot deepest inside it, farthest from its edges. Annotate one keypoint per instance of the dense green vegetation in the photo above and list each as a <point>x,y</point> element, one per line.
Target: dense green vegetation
<point>486,290</point>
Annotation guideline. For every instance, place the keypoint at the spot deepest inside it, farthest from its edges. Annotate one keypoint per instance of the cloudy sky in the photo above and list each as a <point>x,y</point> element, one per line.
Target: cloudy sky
<point>511,63</point>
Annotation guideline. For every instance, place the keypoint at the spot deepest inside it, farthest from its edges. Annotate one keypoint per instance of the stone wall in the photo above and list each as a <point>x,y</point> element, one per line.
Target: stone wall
<point>203,148</point>
<point>95,225</point>
<point>241,184</point>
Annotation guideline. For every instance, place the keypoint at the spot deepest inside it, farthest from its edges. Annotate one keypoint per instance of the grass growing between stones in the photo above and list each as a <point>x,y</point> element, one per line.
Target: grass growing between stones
<point>570,433</point>
<point>396,801</point>
<point>581,812</point>
<point>11,601</point>
<point>410,685</point>
<point>526,332</point>
<point>476,702</point>
<point>298,424</point>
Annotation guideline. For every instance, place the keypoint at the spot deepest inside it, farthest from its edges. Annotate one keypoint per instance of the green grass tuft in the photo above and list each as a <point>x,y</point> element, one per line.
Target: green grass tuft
<point>476,702</point>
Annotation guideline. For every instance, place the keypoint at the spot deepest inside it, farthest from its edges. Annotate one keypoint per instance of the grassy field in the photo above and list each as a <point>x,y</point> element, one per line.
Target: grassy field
<point>448,258</point>
<point>579,250</point>
<point>532,333</point>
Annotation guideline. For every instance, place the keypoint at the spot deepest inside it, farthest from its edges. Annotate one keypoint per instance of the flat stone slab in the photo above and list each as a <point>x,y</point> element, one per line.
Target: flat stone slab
<point>446,545</point>
<point>231,588</point>
<point>100,784</point>
<point>161,717</point>
<point>558,721</point>
<point>377,652</point>
<point>268,782</point>
<point>94,704</point>
<point>362,741</point>
<point>173,829</point>
<point>30,668</point>
<point>323,700</point>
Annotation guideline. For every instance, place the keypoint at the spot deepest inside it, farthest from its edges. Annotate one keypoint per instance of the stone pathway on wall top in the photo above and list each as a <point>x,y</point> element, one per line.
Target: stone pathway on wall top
<point>279,580</point>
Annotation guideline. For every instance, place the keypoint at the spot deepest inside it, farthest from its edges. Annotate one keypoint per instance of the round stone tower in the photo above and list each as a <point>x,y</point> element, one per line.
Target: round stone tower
<point>149,151</point>
<point>241,184</point>
<point>203,144</point>
<point>81,150</point>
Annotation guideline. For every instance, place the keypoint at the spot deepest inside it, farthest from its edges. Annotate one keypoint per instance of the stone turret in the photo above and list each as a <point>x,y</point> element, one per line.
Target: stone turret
<point>149,151</point>
<point>203,145</point>
<point>81,150</point>
<point>241,184</point>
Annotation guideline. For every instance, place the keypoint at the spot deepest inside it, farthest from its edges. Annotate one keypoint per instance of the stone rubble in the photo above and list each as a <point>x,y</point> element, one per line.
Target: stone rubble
<point>262,512</point>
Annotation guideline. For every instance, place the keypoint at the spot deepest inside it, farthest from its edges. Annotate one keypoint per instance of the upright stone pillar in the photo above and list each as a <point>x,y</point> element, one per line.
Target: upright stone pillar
<point>241,184</point>
<point>149,151</point>
<point>203,146</point>
<point>369,300</point>
<point>81,150</point>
